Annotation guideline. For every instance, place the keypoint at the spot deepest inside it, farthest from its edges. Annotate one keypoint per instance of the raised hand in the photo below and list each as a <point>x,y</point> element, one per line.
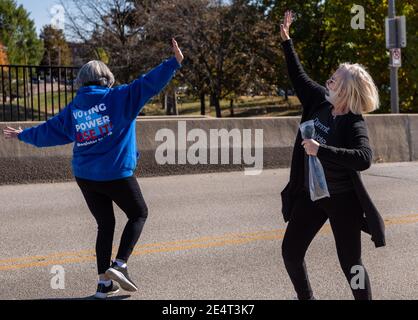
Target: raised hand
<point>177,51</point>
<point>11,133</point>
<point>285,26</point>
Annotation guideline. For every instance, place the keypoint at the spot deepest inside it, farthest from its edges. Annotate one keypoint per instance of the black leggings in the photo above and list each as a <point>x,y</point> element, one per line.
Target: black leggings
<point>99,196</point>
<point>345,213</point>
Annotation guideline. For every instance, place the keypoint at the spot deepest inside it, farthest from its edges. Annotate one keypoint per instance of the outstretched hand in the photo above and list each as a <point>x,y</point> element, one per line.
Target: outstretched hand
<point>285,26</point>
<point>177,51</point>
<point>11,133</point>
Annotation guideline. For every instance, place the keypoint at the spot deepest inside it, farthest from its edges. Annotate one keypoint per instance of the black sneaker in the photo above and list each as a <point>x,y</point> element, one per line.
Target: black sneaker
<point>121,276</point>
<point>103,292</point>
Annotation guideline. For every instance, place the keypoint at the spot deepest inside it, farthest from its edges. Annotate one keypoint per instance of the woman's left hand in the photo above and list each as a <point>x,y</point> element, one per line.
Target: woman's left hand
<point>311,147</point>
<point>11,133</point>
<point>177,51</point>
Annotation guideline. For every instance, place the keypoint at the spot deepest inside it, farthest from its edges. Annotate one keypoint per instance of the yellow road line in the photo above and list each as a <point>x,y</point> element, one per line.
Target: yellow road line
<point>161,244</point>
<point>172,246</point>
<point>146,249</point>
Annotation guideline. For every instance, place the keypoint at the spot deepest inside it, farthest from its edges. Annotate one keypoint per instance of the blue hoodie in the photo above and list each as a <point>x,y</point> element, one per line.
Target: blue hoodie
<point>102,124</point>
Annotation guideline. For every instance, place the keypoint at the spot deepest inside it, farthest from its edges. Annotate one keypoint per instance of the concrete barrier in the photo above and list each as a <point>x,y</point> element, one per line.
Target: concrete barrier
<point>390,137</point>
<point>413,136</point>
<point>394,138</point>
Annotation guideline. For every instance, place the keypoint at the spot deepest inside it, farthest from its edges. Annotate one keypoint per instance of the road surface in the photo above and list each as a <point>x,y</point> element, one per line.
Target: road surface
<point>210,236</point>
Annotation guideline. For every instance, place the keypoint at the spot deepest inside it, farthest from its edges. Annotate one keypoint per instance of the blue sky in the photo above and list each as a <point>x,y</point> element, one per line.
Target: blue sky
<point>39,11</point>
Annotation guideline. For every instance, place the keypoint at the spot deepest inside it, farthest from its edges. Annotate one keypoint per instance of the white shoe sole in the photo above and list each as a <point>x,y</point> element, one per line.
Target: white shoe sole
<point>101,295</point>
<point>117,276</point>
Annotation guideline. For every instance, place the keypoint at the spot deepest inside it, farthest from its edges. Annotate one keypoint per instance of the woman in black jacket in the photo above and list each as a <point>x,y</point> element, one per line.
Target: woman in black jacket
<point>342,145</point>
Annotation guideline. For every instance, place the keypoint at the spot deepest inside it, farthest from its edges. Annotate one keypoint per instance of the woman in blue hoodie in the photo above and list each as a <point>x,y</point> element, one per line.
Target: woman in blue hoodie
<point>101,121</point>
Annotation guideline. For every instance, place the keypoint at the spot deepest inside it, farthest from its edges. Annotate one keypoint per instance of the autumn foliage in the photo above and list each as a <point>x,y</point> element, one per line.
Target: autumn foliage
<point>3,55</point>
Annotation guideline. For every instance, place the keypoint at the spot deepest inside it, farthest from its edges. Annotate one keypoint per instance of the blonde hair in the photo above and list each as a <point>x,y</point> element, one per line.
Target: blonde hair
<point>95,72</point>
<point>356,90</point>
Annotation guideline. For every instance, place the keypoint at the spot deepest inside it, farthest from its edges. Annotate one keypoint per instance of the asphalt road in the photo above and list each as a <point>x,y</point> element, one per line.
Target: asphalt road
<point>211,236</point>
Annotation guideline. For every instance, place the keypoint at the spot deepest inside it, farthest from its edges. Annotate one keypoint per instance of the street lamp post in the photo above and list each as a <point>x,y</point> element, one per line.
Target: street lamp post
<point>395,40</point>
<point>394,89</point>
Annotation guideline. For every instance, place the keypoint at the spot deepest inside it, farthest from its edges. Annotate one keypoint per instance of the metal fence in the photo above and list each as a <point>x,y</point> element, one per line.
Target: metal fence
<point>35,93</point>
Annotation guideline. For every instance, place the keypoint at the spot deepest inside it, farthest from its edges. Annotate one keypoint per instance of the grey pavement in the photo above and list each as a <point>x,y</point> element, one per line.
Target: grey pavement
<point>209,236</point>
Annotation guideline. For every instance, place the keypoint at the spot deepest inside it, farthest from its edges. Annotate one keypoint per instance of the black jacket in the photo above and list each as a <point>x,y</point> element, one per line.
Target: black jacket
<point>353,152</point>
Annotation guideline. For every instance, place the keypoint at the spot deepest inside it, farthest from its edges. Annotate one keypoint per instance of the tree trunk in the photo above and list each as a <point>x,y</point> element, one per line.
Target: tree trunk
<point>171,102</point>
<point>212,99</point>
<point>286,96</point>
<point>162,100</point>
<point>202,104</point>
<point>217,107</point>
<point>231,107</point>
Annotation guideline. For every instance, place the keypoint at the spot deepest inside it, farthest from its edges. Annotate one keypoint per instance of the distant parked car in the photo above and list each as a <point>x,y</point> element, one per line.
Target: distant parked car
<point>69,82</point>
<point>50,79</point>
<point>36,80</point>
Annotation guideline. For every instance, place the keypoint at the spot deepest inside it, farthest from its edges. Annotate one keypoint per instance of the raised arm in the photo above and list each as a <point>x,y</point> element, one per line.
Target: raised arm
<point>308,91</point>
<point>141,90</point>
<point>54,132</point>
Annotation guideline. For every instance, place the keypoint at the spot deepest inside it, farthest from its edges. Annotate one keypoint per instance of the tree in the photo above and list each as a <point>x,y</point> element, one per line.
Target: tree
<point>217,37</point>
<point>57,51</point>
<point>185,18</point>
<point>221,41</point>
<point>3,55</point>
<point>18,34</point>
<point>324,38</point>
<point>233,47</point>
<point>367,46</point>
<point>120,28</point>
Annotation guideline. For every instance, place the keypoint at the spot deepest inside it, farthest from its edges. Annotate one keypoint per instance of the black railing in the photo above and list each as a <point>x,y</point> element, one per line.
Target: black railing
<point>35,93</point>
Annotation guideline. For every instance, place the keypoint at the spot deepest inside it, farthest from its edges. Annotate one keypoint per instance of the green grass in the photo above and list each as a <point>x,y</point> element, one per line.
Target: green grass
<point>244,106</point>
<point>259,106</point>
<point>46,104</point>
<point>41,107</point>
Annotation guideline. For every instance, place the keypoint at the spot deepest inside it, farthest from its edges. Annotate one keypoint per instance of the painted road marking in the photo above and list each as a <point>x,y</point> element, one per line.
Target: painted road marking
<point>171,246</point>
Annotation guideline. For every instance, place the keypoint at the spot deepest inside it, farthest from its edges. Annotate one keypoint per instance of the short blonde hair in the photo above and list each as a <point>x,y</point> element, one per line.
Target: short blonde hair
<point>356,89</point>
<point>95,72</point>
